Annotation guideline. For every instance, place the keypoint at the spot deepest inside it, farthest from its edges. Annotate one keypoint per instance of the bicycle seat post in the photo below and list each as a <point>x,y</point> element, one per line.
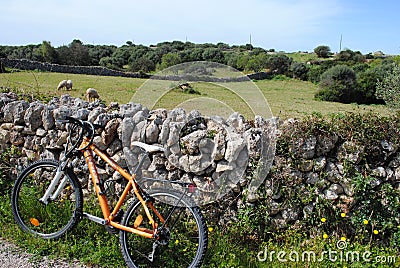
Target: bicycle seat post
<point>142,158</point>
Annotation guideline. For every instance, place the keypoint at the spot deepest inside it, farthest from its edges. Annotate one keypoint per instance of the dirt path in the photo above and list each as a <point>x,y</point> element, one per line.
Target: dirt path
<point>11,256</point>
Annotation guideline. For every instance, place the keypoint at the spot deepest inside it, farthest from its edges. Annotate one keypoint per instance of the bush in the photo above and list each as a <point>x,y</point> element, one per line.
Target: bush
<point>142,64</point>
<point>299,70</point>
<point>322,51</point>
<point>338,84</point>
<point>279,64</point>
<point>389,88</point>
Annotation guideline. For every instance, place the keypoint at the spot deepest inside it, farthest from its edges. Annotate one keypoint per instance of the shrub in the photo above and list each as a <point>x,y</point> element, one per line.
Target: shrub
<point>170,59</point>
<point>338,84</point>
<point>279,64</point>
<point>299,70</point>
<point>389,88</point>
<point>322,51</point>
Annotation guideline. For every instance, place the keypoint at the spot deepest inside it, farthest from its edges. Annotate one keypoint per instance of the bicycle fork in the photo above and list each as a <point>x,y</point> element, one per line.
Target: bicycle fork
<point>54,182</point>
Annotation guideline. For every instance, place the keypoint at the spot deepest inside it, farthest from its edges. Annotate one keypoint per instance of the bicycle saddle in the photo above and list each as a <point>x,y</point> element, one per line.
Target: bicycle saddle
<point>148,148</point>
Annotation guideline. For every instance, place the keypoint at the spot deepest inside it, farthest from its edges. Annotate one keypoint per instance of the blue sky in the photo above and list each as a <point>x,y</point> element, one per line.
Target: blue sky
<point>287,25</point>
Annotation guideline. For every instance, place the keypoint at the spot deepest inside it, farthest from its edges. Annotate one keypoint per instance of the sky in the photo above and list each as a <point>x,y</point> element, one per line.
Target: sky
<point>283,25</point>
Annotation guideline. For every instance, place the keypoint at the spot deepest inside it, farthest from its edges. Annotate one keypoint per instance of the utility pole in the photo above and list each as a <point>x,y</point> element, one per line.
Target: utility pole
<point>340,45</point>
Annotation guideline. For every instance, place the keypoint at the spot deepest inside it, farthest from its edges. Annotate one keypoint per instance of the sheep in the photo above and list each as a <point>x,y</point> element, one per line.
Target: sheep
<point>62,84</point>
<point>91,94</point>
<point>67,84</point>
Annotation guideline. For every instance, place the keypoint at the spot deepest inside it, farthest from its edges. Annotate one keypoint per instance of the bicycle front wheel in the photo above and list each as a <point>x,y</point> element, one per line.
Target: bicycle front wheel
<point>59,215</point>
<point>182,242</point>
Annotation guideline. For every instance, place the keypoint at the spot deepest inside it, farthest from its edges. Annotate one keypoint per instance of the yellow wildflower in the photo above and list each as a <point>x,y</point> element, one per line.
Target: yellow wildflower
<point>343,238</point>
<point>323,220</point>
<point>325,236</point>
<point>376,232</point>
<point>343,215</point>
<point>365,222</point>
<point>210,229</point>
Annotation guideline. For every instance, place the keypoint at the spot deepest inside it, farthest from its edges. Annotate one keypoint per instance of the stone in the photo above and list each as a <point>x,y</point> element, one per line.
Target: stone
<point>379,172</point>
<point>350,151</point>
<point>319,164</point>
<point>33,115</point>
<point>127,127</point>
<point>110,131</point>
<point>129,110</point>
<point>114,147</point>
<point>16,138</point>
<point>99,143</point>
<point>330,195</point>
<point>152,133</point>
<point>81,113</point>
<point>41,132</point>
<point>18,111</point>
<point>190,143</point>
<point>48,121</point>
<point>95,113</point>
<point>326,143</point>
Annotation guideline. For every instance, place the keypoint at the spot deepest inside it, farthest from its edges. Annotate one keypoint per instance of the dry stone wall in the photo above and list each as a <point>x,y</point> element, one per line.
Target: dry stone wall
<point>199,153</point>
<point>23,64</point>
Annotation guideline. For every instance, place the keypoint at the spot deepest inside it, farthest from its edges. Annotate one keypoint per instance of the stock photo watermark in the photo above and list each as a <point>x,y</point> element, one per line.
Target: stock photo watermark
<point>338,255</point>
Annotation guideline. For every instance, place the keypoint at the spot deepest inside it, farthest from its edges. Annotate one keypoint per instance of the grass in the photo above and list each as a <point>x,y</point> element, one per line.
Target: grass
<point>111,89</point>
<point>228,247</point>
<point>286,98</point>
<point>292,98</point>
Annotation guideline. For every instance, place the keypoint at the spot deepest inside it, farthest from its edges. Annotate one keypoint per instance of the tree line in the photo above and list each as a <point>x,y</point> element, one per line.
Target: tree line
<point>347,76</point>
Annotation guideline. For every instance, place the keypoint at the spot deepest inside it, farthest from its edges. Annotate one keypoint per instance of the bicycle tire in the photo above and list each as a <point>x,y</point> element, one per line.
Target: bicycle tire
<point>188,236</point>
<point>52,220</point>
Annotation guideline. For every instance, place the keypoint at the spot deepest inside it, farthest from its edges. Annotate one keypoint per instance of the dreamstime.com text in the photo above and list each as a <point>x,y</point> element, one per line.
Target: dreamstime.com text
<point>339,255</point>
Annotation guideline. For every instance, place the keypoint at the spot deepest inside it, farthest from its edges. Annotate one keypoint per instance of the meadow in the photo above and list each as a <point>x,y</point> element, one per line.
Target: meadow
<point>286,97</point>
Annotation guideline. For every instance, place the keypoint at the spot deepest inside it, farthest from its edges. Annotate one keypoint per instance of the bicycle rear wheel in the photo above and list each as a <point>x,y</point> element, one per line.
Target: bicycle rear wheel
<point>182,243</point>
<point>50,220</point>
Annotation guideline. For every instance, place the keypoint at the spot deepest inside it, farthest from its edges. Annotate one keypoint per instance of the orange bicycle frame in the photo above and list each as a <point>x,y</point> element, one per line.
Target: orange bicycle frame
<point>88,150</point>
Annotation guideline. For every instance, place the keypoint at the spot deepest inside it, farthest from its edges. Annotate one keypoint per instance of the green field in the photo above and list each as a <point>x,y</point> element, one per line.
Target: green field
<point>287,98</point>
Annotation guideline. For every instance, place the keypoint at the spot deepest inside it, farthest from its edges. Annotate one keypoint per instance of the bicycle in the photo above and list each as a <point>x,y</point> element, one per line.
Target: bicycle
<point>160,227</point>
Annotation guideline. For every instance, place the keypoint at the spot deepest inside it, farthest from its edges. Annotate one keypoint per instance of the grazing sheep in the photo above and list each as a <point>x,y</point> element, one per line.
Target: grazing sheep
<point>91,94</point>
<point>68,86</point>
<point>62,84</point>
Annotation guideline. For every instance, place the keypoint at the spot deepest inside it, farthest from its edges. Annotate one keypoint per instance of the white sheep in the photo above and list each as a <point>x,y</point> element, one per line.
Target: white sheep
<point>62,84</point>
<point>68,86</point>
<point>91,94</point>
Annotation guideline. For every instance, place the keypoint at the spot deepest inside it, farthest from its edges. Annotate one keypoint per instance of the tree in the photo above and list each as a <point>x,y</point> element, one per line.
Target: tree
<point>48,53</point>
<point>279,64</point>
<point>170,59</point>
<point>142,64</point>
<point>257,63</point>
<point>213,54</point>
<point>338,84</point>
<point>299,70</point>
<point>349,55</point>
<point>322,51</point>
<point>96,53</point>
<point>389,88</point>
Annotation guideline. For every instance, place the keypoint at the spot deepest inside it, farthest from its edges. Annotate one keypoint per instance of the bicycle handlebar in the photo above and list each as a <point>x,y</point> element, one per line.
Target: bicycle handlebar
<point>86,129</point>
